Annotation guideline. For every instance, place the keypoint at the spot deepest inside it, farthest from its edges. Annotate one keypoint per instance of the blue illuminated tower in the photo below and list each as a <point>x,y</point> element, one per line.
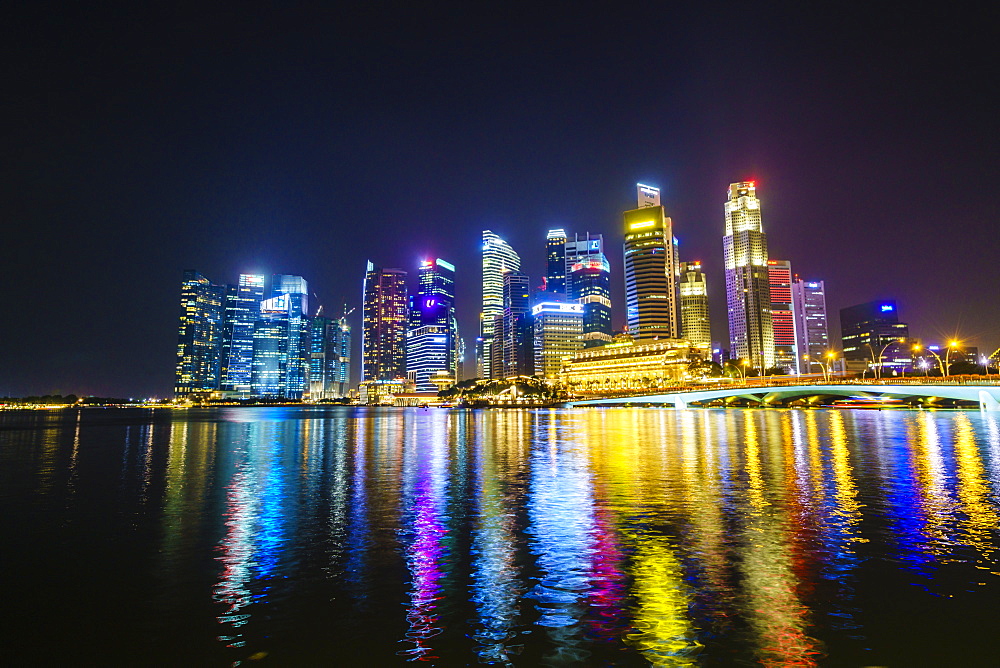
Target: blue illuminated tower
<point>297,290</point>
<point>432,343</point>
<point>588,282</point>
<point>555,259</point>
<point>242,310</point>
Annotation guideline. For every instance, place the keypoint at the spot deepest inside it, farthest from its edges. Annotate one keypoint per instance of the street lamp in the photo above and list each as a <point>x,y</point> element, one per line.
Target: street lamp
<point>952,345</point>
<point>941,364</point>
<point>822,367</point>
<point>877,364</point>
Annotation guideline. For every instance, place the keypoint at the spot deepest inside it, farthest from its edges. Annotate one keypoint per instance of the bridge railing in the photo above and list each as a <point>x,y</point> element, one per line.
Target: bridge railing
<point>784,381</point>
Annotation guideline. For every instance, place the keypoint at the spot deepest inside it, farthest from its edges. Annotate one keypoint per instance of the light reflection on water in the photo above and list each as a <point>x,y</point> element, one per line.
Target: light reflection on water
<point>554,537</point>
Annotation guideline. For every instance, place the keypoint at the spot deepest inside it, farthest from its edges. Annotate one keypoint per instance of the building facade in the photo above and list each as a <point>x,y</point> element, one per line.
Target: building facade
<point>779,278</point>
<point>269,370</point>
<point>873,337</point>
<point>627,367</point>
<point>199,335</point>
<point>558,332</point>
<point>432,342</point>
<point>692,291</point>
<point>242,310</point>
<point>296,289</point>
<point>748,294</point>
<point>498,258</point>
<point>588,281</point>
<point>384,315</point>
<point>812,337</point>
<point>517,333</point>
<point>555,261</point>
<point>650,274</point>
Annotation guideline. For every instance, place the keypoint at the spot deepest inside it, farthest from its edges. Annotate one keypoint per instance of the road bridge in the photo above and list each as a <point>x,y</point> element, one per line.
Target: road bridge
<point>986,394</point>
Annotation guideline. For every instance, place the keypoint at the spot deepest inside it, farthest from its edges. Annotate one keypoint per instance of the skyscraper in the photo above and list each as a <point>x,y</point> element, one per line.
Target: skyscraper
<point>588,281</point>
<point>297,348</point>
<point>498,258</point>
<point>779,276</point>
<point>269,369</point>
<point>555,258</point>
<point>748,294</point>
<point>693,292</point>
<point>432,337</point>
<point>558,328</point>
<point>517,333</point>
<point>871,334</point>
<point>199,336</point>
<point>383,336</point>
<point>242,310</point>
<point>650,275</point>
<point>342,344</point>
<point>812,337</point>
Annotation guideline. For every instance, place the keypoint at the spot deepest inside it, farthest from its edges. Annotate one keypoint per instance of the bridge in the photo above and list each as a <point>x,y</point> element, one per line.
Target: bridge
<point>985,393</point>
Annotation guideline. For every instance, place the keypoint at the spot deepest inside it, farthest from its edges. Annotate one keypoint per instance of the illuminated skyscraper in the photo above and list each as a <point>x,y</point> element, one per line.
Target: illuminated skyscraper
<point>432,337</point>
<point>269,369</point>
<point>588,282</point>
<point>812,336</point>
<point>297,368</point>
<point>517,332</point>
<point>555,257</point>
<point>650,274</point>
<point>558,332</point>
<point>199,336</point>
<point>498,258</point>
<point>383,336</point>
<point>693,292</point>
<point>324,359</point>
<point>242,310</point>
<point>779,276</point>
<point>748,294</point>
<point>873,330</point>
<point>343,348</point>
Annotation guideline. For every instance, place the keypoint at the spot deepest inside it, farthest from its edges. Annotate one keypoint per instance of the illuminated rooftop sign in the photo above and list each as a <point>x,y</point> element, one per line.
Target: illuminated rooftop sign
<point>639,226</point>
<point>556,307</point>
<point>887,307</point>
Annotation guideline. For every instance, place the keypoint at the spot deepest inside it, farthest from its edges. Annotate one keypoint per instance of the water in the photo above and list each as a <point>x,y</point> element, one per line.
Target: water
<point>342,536</point>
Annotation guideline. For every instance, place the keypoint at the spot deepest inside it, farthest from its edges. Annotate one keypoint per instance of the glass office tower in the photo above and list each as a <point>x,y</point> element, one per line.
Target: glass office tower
<point>650,275</point>
<point>384,314</point>
<point>589,282</point>
<point>812,335</point>
<point>269,369</point>
<point>779,275</point>
<point>498,258</point>
<point>555,261</point>
<point>748,293</point>
<point>432,343</point>
<point>199,336</point>
<point>242,310</point>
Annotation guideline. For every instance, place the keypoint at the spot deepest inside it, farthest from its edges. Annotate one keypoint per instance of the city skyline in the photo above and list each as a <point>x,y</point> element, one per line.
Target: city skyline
<point>210,144</point>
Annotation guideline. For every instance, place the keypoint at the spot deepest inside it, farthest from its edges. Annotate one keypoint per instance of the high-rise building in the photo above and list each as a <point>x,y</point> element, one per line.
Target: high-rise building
<point>324,359</point>
<point>650,275</point>
<point>555,258</point>
<point>242,310</point>
<point>297,369</point>
<point>342,345</point>
<point>517,332</point>
<point>383,336</point>
<point>498,258</point>
<point>432,343</point>
<point>199,336</point>
<point>779,276</point>
<point>812,337</point>
<point>748,294</point>
<point>589,284</point>
<point>693,293</point>
<point>558,332</point>
<point>873,336</point>
<point>269,369</point>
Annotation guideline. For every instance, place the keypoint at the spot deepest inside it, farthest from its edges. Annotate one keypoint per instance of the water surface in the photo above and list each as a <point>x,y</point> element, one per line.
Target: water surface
<point>350,536</point>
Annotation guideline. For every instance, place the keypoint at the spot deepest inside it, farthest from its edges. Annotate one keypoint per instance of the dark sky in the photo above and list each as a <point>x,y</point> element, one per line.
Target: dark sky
<point>140,140</point>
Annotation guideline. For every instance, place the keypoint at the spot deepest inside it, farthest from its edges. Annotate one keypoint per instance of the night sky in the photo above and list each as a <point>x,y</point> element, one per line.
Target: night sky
<point>141,141</point>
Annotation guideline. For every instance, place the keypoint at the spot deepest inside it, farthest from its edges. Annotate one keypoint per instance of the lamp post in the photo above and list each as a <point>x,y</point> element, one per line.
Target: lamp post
<point>918,348</point>
<point>952,345</point>
<point>877,364</point>
<point>824,368</point>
